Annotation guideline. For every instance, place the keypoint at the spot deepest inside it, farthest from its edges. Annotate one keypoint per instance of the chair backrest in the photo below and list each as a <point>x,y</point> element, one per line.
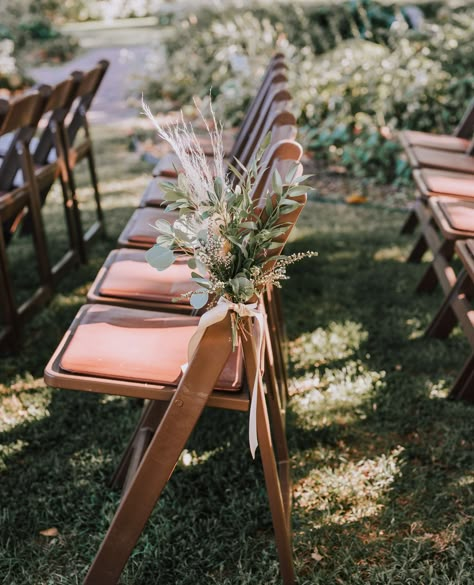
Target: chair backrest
<point>86,92</point>
<point>275,77</point>
<point>274,113</point>
<point>59,103</point>
<point>465,128</point>
<point>24,113</point>
<point>280,156</point>
<point>4,105</point>
<point>276,66</point>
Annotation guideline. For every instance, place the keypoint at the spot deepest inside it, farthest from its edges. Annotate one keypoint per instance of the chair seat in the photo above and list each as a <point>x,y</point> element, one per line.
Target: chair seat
<point>433,182</point>
<point>460,215</point>
<point>436,141</point>
<point>154,195</point>
<point>138,346</point>
<point>170,165</point>
<point>167,166</point>
<point>439,159</point>
<point>128,275</point>
<point>140,231</point>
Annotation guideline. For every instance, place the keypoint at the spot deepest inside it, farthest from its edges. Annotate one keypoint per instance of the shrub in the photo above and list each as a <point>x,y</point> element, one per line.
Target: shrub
<point>359,71</point>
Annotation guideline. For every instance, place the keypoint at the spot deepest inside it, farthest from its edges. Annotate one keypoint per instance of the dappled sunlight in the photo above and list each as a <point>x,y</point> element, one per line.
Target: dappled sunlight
<point>190,458</point>
<point>392,253</point>
<point>349,491</point>
<point>8,450</point>
<point>22,406</point>
<point>335,396</point>
<point>335,342</point>
<point>416,328</point>
<point>84,461</point>
<point>352,381</point>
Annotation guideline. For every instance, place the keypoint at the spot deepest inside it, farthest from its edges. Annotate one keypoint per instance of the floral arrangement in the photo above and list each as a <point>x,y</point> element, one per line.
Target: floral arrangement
<point>230,241</point>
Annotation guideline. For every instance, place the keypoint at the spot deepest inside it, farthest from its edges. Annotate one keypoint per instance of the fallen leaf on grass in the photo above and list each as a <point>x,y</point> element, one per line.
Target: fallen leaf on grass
<point>356,199</point>
<point>316,555</point>
<point>49,532</point>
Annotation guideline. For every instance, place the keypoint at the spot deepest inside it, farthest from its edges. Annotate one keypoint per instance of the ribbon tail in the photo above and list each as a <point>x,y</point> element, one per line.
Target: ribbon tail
<point>253,431</point>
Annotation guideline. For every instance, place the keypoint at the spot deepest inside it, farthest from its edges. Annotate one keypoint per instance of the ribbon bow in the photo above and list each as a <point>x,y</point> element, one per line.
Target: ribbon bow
<point>218,313</point>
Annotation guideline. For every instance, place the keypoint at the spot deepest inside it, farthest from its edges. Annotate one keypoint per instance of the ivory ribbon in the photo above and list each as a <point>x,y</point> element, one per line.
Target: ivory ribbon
<point>218,313</point>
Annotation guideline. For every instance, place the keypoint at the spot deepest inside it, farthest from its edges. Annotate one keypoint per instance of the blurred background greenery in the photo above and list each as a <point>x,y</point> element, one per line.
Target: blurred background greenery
<point>361,69</point>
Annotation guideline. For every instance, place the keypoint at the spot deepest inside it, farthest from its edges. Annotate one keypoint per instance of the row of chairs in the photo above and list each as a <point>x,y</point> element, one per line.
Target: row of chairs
<point>44,134</point>
<point>131,339</point>
<point>443,169</point>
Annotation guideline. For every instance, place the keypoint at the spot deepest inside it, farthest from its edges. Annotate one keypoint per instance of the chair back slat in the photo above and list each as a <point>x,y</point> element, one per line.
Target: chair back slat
<point>86,92</point>
<point>22,118</point>
<point>58,106</point>
<point>465,128</point>
<point>276,77</point>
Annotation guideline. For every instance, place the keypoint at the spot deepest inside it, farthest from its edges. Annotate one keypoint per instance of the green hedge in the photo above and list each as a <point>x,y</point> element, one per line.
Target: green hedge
<point>359,71</point>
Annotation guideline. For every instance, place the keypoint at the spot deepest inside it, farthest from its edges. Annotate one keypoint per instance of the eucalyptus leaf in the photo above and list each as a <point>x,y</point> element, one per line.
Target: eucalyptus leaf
<point>159,257</point>
<point>199,299</point>
<point>163,226</point>
<point>277,184</point>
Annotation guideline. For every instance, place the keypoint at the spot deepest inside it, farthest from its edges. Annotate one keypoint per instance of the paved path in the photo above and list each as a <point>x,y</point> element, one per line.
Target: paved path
<point>126,49</point>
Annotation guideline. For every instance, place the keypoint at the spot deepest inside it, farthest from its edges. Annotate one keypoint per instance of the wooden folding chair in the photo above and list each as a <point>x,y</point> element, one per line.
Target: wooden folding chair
<point>457,308</point>
<point>127,280</point>
<point>21,118</point>
<point>139,231</point>
<point>279,121</point>
<point>275,73</point>
<point>49,158</point>
<point>113,350</point>
<point>273,82</point>
<point>77,143</point>
<point>458,141</point>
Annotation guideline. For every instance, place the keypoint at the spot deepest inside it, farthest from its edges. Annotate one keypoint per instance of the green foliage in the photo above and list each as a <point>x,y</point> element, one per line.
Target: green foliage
<point>231,242</point>
<point>359,71</point>
<point>28,32</point>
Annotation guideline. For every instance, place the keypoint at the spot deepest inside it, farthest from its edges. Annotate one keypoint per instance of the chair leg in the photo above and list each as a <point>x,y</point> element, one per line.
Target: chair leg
<point>152,413</point>
<point>160,459</point>
<point>430,279</point>
<point>270,470</point>
<point>100,225</point>
<point>410,223</point>
<point>277,423</point>
<point>10,326</point>
<point>446,319</point>
<point>463,388</point>
<point>418,250</point>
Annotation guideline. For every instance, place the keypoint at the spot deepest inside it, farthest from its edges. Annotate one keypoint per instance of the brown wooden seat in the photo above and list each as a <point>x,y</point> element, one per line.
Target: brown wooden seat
<point>421,157</point>
<point>21,118</point>
<point>458,141</point>
<point>432,182</point>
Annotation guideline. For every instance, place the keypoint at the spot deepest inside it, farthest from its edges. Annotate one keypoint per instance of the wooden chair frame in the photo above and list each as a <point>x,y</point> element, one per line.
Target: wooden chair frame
<point>21,118</point>
<point>457,308</point>
<point>77,150</point>
<point>146,474</point>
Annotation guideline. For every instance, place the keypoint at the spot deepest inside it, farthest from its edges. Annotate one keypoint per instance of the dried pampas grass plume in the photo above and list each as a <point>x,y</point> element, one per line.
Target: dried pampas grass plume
<point>198,170</point>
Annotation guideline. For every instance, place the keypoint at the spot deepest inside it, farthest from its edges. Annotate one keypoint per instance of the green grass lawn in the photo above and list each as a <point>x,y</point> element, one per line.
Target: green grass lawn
<point>383,465</point>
